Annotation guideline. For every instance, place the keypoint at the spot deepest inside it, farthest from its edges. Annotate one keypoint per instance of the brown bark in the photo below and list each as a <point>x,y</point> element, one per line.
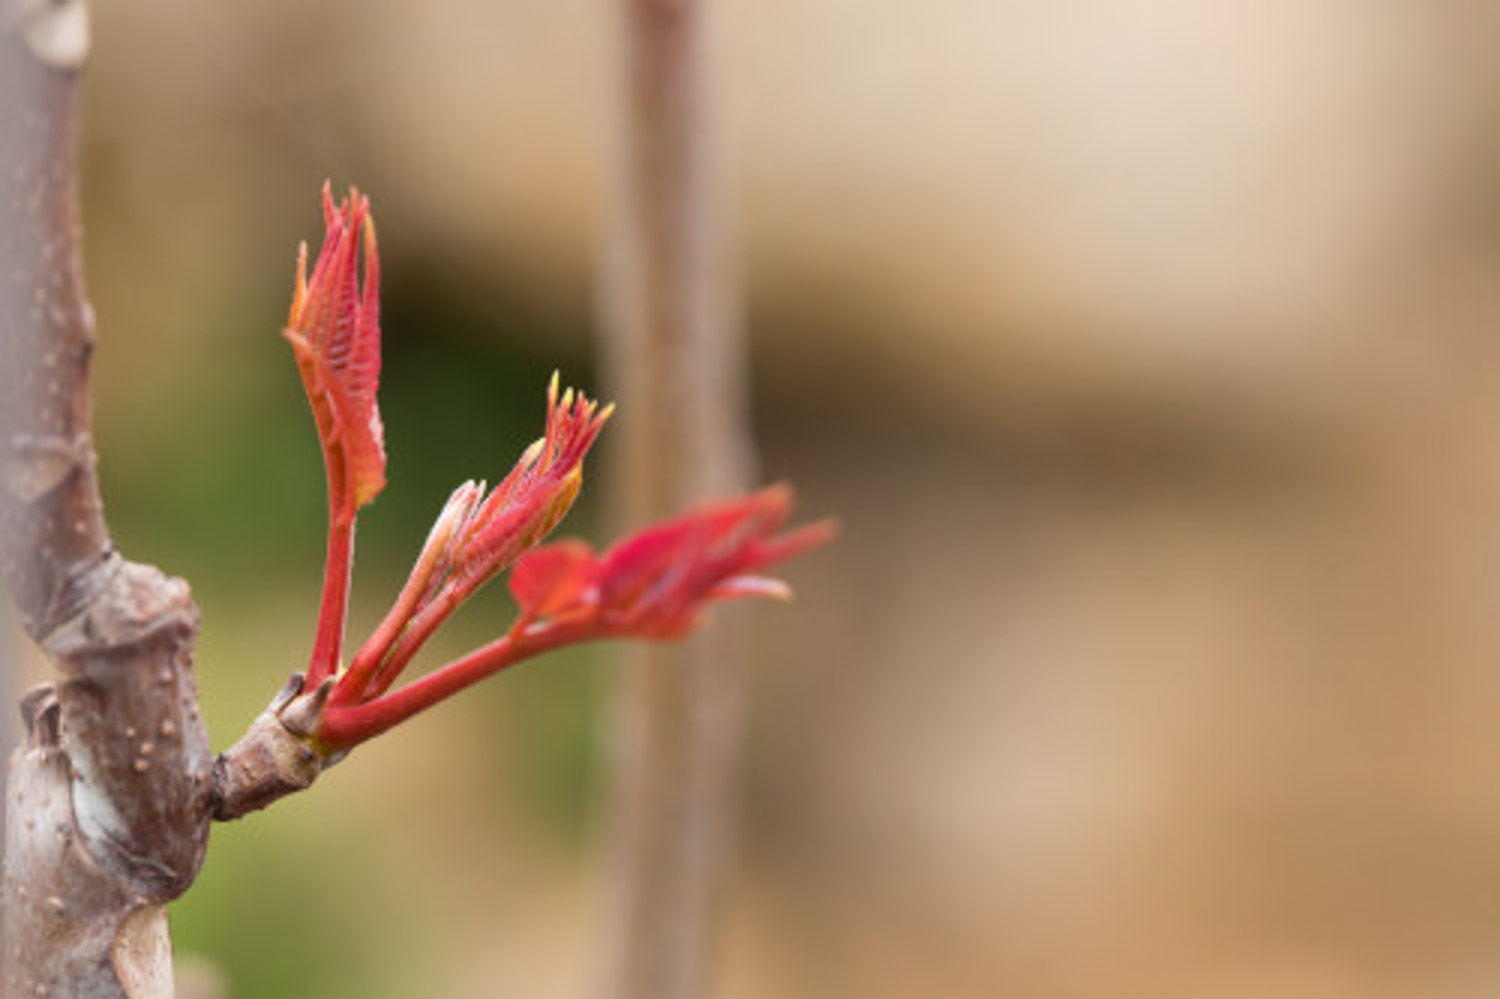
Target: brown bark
<point>675,352</point>
<point>108,797</point>
<point>274,757</point>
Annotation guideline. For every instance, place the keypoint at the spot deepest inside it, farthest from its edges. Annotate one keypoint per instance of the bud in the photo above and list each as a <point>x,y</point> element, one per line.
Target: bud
<point>536,495</point>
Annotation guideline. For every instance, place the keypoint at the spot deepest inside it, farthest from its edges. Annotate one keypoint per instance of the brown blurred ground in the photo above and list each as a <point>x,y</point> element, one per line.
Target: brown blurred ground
<point>1149,357</point>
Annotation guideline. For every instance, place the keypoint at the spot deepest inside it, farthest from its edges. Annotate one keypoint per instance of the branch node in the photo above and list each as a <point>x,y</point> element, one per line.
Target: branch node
<point>116,607</point>
<point>274,757</point>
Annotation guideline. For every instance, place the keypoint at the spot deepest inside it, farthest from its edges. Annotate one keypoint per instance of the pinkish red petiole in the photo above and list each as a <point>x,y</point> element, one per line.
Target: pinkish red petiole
<point>345,726</point>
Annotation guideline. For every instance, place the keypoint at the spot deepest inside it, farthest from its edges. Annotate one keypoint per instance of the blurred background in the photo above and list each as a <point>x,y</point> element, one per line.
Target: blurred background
<point>1149,354</point>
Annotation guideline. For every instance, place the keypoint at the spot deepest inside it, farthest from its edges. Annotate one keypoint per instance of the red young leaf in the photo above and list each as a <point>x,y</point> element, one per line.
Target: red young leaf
<point>549,580</point>
<point>535,496</point>
<point>657,581</point>
<point>334,330</point>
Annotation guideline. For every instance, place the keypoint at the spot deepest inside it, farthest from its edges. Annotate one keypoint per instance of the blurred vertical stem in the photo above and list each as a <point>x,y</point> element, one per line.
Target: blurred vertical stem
<point>675,356</point>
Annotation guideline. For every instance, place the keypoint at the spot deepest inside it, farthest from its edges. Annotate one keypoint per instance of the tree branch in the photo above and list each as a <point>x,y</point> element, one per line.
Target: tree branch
<point>108,796</point>
<point>675,351</point>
